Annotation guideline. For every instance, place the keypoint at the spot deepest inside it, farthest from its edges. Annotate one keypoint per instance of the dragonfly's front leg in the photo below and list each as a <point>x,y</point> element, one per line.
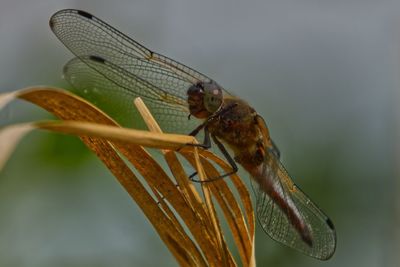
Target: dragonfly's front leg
<point>206,144</point>
<point>206,141</point>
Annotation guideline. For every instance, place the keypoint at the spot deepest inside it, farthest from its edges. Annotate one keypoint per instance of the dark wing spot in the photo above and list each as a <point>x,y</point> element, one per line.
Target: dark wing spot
<point>98,59</point>
<point>85,14</point>
<point>150,55</point>
<point>330,224</point>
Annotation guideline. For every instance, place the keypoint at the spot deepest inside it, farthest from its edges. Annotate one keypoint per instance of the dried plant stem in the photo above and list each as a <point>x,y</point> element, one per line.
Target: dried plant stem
<point>185,218</point>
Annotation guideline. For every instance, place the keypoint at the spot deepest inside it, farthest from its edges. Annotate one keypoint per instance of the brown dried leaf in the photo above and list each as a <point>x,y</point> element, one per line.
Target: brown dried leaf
<point>205,246</point>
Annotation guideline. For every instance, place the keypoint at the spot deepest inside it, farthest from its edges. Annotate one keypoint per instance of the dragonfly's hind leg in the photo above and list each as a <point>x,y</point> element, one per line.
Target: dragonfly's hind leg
<point>207,144</point>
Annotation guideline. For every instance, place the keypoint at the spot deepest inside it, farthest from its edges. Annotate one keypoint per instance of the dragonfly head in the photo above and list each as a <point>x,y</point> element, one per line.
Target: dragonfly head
<point>204,98</point>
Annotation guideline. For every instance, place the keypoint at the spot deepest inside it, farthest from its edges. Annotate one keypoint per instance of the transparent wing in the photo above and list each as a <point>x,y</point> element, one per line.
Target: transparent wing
<point>87,36</point>
<point>287,215</point>
<point>114,94</point>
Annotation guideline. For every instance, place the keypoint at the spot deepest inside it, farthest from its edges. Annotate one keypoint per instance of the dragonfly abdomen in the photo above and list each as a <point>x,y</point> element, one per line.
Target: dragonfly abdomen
<point>273,188</point>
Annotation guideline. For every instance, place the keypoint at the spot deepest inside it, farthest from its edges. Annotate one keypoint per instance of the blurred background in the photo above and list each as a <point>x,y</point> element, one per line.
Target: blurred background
<point>323,74</point>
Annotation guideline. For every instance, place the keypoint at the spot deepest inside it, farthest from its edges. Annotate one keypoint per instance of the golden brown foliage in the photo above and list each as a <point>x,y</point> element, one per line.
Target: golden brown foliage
<point>185,218</point>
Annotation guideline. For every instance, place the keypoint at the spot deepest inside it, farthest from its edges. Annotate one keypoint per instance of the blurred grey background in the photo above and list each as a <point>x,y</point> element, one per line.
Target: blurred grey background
<point>324,75</point>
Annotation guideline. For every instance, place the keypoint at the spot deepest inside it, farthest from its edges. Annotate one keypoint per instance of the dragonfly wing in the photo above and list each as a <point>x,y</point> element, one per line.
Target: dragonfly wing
<point>115,92</point>
<point>287,215</point>
<point>86,35</point>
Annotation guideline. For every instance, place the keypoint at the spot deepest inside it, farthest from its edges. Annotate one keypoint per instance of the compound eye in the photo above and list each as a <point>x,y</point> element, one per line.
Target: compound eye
<point>195,89</point>
<point>213,97</point>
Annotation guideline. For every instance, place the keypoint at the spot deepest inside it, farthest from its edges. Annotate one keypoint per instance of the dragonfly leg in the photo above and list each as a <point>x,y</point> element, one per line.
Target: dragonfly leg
<point>207,143</point>
<point>211,118</point>
<point>204,125</point>
<point>227,157</point>
<point>198,129</point>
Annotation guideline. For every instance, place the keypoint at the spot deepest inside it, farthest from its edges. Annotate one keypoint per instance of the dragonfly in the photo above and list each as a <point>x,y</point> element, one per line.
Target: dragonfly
<point>111,66</point>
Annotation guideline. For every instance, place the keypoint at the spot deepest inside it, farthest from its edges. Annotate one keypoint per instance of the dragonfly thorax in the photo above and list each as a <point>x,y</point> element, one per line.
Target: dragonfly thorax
<point>204,99</point>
